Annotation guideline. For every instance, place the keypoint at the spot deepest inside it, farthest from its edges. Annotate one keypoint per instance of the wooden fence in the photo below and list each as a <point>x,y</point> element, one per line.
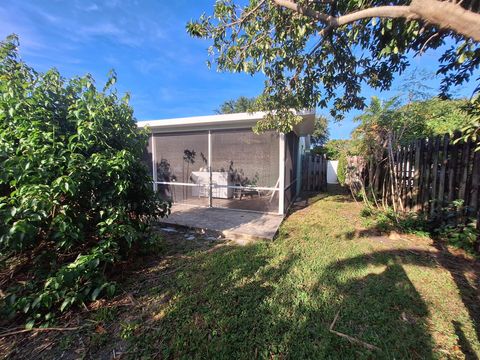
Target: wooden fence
<point>424,177</point>
<point>314,172</point>
<point>429,174</point>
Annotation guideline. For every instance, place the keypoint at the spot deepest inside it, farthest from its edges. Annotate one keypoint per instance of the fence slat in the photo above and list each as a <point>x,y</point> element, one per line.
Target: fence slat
<point>314,172</point>
<point>428,174</point>
<point>452,173</point>
<point>474,196</point>
<point>443,172</point>
<point>463,173</point>
<point>433,193</point>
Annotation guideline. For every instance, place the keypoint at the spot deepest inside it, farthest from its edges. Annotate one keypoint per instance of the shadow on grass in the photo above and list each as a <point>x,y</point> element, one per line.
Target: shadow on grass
<point>468,290</point>
<point>465,345</point>
<point>458,266</point>
<point>238,302</point>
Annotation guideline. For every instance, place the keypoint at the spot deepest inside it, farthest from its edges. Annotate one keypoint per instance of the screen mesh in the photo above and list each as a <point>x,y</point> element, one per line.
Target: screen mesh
<point>183,158</point>
<point>250,159</point>
<point>242,162</point>
<point>245,168</point>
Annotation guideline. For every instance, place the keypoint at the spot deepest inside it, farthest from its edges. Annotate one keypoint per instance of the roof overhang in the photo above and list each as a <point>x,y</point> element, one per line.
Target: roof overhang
<point>222,122</point>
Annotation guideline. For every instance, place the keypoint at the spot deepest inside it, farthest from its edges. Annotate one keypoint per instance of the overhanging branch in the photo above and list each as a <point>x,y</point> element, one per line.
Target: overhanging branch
<point>444,14</point>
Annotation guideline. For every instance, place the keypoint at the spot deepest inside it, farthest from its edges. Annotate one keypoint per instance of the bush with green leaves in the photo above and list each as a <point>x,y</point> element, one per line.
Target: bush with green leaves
<point>342,169</point>
<point>75,196</point>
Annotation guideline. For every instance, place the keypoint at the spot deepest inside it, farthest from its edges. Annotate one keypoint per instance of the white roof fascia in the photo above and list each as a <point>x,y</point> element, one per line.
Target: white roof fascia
<point>223,121</point>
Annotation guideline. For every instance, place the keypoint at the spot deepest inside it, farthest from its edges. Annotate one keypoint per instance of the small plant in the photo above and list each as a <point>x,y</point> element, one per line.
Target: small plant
<point>367,212</point>
<point>462,236</point>
<point>105,314</point>
<point>387,220</point>
<point>128,329</point>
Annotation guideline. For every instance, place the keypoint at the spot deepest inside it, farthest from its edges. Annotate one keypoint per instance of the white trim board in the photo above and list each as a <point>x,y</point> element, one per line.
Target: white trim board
<point>221,122</point>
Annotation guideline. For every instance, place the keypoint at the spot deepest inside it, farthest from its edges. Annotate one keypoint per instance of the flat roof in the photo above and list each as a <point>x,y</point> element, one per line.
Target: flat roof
<point>223,121</point>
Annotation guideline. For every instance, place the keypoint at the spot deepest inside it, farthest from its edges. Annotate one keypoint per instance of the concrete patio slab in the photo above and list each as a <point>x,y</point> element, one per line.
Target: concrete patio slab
<point>233,224</point>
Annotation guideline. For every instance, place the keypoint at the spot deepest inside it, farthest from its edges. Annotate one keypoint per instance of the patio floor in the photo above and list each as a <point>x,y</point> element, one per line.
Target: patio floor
<point>233,224</point>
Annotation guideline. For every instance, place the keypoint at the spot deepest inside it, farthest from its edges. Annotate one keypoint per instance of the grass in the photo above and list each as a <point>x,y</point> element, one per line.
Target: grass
<point>278,300</point>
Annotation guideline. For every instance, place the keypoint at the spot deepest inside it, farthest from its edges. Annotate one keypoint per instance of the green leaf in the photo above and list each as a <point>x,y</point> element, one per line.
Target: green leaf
<point>30,324</point>
<point>65,303</point>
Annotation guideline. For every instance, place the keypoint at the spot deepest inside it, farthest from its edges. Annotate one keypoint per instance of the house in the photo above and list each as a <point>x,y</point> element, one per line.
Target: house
<point>218,161</point>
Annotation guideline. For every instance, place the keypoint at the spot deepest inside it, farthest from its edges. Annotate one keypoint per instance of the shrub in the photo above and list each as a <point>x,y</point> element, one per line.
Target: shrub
<point>386,220</point>
<point>453,225</point>
<point>75,197</point>
<point>342,169</point>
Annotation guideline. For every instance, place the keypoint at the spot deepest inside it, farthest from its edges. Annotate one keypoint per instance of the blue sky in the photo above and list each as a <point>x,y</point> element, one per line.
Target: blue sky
<point>146,43</point>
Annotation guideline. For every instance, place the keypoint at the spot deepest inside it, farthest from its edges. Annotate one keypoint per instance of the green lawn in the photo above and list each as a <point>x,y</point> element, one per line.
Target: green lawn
<point>279,299</point>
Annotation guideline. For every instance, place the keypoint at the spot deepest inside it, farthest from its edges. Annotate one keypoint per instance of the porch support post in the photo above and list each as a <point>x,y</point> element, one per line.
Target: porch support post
<point>281,172</point>
<point>154,162</point>
<point>210,185</point>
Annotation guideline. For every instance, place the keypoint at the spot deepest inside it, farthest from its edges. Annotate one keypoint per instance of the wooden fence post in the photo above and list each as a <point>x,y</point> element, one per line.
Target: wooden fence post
<point>474,195</point>
<point>452,172</point>
<point>433,194</point>
<point>443,172</point>
<point>464,167</point>
<point>416,178</point>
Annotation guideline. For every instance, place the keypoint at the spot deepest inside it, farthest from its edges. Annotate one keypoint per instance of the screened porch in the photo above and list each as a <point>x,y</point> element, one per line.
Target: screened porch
<point>233,168</point>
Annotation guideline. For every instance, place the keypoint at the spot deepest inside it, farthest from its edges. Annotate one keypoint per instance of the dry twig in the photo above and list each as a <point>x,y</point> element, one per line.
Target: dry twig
<point>350,338</point>
<point>5,334</point>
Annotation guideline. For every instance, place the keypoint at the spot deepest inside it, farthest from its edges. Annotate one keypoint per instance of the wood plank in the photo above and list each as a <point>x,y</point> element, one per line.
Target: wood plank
<point>463,172</point>
<point>433,194</point>
<point>427,166</point>
<point>477,247</point>
<point>475,188</point>
<point>416,176</point>
<point>411,159</point>
<point>421,175</point>
<point>443,172</point>
<point>452,173</point>
<point>399,177</point>
<point>312,174</point>
<point>406,177</point>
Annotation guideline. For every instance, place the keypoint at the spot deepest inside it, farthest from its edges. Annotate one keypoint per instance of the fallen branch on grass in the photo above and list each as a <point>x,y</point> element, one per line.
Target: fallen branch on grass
<point>350,338</point>
<point>37,330</point>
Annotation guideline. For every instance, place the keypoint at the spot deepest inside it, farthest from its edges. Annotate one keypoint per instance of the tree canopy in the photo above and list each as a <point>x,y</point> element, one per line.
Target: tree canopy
<point>390,121</point>
<point>320,133</point>
<point>321,53</point>
<point>240,105</point>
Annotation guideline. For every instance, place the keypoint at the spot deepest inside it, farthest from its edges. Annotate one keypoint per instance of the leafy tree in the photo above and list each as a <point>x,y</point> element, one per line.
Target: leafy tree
<point>321,53</point>
<point>439,116</point>
<point>472,129</point>
<point>240,105</point>
<point>320,132</point>
<point>342,168</point>
<point>334,149</point>
<point>385,121</point>
<point>75,196</point>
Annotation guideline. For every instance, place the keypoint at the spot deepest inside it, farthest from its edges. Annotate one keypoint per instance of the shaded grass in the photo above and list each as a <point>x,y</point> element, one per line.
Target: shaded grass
<point>277,300</point>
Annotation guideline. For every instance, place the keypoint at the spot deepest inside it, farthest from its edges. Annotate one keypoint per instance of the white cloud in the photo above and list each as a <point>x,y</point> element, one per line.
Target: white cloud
<point>91,7</point>
<point>100,29</point>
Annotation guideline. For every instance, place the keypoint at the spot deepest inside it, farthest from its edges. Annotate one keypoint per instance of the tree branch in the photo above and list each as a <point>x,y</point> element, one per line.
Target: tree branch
<point>444,14</point>
<point>246,16</point>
